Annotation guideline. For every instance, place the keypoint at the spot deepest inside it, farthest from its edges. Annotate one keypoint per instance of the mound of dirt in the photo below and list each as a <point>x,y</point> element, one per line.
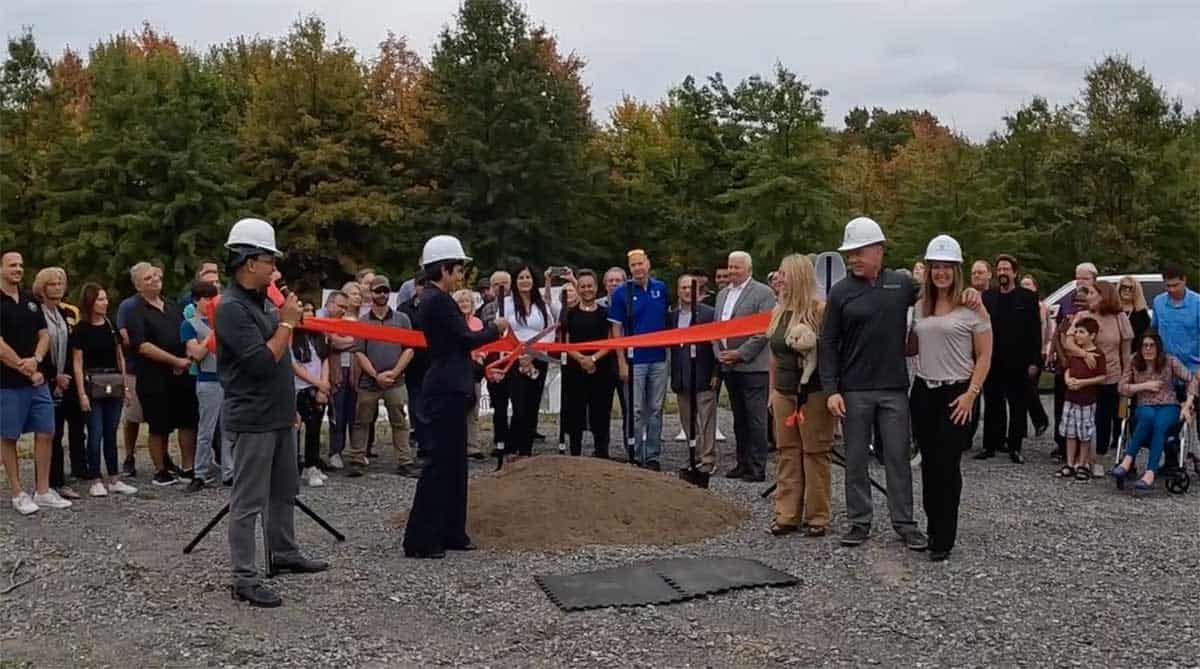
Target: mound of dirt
<point>554,502</point>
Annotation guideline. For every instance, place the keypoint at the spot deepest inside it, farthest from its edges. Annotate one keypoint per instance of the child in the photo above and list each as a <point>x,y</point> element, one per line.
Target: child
<point>1079,410</point>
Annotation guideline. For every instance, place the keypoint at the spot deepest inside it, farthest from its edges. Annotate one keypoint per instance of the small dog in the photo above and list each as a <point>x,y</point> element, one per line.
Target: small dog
<point>803,340</point>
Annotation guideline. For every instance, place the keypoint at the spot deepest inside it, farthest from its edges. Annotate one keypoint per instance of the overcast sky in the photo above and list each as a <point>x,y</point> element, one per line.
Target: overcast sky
<point>969,62</point>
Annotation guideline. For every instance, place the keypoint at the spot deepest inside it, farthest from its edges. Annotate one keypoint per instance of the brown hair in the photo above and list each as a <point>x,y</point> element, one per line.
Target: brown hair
<point>1160,357</point>
<point>1004,257</point>
<point>1110,300</point>
<point>929,292</point>
<point>1088,323</point>
<point>87,300</point>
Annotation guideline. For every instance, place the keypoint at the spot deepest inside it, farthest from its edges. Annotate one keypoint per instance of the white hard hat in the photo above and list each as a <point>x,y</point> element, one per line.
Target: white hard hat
<point>443,247</point>
<point>252,232</point>
<point>943,248</point>
<point>861,232</point>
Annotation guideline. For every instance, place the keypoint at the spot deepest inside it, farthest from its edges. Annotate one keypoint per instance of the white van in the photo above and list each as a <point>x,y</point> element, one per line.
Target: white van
<point>1152,285</point>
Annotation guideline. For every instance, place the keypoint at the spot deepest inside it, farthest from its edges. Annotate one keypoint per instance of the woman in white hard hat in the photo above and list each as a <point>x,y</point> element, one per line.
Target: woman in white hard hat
<point>954,348</point>
<point>438,520</point>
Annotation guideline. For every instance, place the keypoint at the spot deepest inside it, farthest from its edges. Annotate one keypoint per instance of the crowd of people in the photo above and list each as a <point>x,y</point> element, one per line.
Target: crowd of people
<point>926,352</point>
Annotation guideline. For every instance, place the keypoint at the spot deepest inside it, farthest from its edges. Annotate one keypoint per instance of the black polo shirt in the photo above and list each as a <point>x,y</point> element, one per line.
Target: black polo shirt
<point>20,321</point>
<point>148,324</point>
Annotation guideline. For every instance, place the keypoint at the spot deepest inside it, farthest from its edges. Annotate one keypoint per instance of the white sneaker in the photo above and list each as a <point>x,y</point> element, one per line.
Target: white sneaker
<point>51,499</point>
<point>682,436</point>
<point>335,462</point>
<point>24,505</point>
<point>323,475</point>
<point>98,490</point>
<point>312,476</point>
<point>720,436</point>
<point>122,488</point>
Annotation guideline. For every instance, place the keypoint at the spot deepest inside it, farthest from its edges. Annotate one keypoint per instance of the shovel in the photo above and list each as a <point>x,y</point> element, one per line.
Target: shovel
<point>691,474</point>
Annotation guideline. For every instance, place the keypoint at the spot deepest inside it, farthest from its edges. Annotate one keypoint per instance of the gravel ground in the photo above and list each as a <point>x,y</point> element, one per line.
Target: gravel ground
<point>1046,573</point>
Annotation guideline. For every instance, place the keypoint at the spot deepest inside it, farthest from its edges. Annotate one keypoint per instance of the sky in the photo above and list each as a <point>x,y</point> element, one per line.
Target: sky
<point>970,62</point>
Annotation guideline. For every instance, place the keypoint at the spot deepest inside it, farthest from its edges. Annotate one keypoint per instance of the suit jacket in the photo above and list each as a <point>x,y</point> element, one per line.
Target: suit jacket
<point>756,298</point>
<point>451,370</point>
<point>1016,330</point>
<point>681,360</point>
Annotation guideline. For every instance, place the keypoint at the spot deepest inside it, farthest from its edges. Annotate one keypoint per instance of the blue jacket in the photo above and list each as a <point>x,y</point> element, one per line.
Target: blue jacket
<point>681,363</point>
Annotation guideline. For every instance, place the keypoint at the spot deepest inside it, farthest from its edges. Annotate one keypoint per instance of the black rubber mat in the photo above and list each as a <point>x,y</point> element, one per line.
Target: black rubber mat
<point>659,582</point>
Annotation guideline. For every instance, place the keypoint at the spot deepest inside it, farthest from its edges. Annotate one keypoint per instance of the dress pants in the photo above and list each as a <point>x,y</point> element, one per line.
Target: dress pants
<point>587,402</point>
<point>438,519</point>
<point>526,396</point>
<point>265,483</point>
<point>69,422</point>
<point>498,397</point>
<point>890,408</point>
<point>941,443</point>
<point>706,426</point>
<point>1005,393</point>
<point>748,397</point>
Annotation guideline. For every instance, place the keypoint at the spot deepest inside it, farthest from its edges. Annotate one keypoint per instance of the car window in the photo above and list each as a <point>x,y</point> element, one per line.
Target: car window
<point>1153,289</point>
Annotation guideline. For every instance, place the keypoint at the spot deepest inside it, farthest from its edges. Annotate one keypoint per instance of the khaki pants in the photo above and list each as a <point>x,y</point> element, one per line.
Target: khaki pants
<point>706,426</point>
<point>394,398</point>
<point>803,478</point>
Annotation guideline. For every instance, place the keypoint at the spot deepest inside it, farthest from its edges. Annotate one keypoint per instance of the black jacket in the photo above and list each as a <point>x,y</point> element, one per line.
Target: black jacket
<point>415,372</point>
<point>1016,329</point>
<point>864,333</point>
<point>681,362</point>
<point>451,370</point>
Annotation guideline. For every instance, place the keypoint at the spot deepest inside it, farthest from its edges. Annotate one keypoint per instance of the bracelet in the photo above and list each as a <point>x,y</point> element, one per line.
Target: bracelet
<point>974,390</point>
<point>285,324</point>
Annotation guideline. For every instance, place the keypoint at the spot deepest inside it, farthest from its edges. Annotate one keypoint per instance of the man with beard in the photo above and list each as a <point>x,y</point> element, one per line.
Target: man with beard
<point>1017,333</point>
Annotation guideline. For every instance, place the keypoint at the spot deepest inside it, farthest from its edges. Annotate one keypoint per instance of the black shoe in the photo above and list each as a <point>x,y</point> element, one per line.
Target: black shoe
<point>196,485</point>
<point>1016,458</point>
<point>425,555</point>
<point>353,471</point>
<point>465,547</point>
<point>257,596</point>
<point>754,478</point>
<point>914,539</point>
<point>735,473</point>
<point>654,466</point>
<point>300,566</point>
<point>411,471</point>
<point>984,455</point>
<point>164,479</point>
<point>130,468</point>
<point>174,468</point>
<point>188,475</point>
<point>856,535</point>
<point>227,482</point>
<point>477,456</point>
<point>1039,430</point>
<point>939,556</point>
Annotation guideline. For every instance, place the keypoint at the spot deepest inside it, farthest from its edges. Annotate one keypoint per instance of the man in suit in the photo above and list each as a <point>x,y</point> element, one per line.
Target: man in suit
<point>743,367</point>
<point>688,312</point>
<point>1016,361</point>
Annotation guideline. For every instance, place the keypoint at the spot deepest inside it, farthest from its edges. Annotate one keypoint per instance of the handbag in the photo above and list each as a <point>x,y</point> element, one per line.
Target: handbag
<point>103,384</point>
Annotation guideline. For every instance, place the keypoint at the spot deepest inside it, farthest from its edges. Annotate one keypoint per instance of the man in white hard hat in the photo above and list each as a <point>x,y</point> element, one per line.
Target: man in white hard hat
<point>254,364</point>
<point>862,363</point>
<point>438,519</point>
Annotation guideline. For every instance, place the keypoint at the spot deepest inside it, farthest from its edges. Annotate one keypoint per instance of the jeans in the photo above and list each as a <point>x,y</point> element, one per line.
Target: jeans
<point>102,424</point>
<point>1152,423</point>
<point>342,407</point>
<point>649,390</point>
<point>210,396</point>
<point>890,408</point>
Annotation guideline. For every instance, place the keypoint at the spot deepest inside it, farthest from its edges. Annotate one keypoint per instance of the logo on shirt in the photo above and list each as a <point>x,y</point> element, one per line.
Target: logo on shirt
<point>892,285</point>
<point>32,306</point>
<point>656,293</point>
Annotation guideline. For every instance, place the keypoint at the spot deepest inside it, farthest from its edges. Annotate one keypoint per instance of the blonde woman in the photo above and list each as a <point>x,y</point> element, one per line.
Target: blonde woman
<point>803,432</point>
<point>1133,303</point>
<point>953,344</point>
<point>50,287</point>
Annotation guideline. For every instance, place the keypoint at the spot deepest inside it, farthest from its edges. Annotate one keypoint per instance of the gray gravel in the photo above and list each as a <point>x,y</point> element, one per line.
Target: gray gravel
<point>1046,573</point>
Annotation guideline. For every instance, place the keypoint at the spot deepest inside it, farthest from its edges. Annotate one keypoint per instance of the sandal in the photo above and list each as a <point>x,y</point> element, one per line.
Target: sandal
<point>780,529</point>
<point>1118,472</point>
<point>1066,472</point>
<point>813,532</point>
<point>1082,473</point>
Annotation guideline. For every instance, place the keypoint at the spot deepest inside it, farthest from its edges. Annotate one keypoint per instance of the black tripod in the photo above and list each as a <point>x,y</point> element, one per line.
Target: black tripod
<point>267,547</point>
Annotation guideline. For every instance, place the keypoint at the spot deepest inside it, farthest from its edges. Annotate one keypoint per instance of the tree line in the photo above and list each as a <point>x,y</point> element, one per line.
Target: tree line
<point>148,150</point>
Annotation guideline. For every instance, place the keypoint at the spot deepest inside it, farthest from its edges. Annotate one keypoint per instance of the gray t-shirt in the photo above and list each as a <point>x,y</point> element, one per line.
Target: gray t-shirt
<point>946,347</point>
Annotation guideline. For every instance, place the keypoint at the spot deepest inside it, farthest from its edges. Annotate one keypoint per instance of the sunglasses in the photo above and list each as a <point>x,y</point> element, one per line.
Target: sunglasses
<point>382,290</point>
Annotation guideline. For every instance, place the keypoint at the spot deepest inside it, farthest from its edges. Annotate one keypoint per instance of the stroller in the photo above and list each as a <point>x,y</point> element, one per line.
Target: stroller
<point>1182,450</point>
